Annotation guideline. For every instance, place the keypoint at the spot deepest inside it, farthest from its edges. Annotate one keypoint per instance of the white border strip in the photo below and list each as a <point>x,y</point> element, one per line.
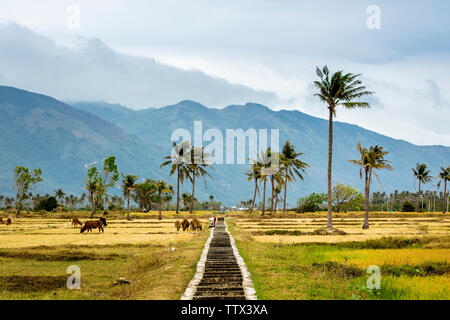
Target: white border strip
<point>192,286</point>
<point>247,281</point>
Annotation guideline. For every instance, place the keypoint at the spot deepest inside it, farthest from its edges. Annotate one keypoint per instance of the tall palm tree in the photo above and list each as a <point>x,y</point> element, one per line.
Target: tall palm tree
<point>292,167</point>
<point>371,159</point>
<point>128,185</point>
<point>162,187</point>
<point>444,176</point>
<point>199,162</point>
<point>254,173</point>
<point>335,90</point>
<point>268,168</point>
<point>59,194</point>
<point>423,176</point>
<point>178,158</point>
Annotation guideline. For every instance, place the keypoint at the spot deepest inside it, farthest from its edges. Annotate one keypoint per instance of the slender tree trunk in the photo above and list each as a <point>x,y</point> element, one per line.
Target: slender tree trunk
<point>366,200</point>
<point>160,205</point>
<point>418,198</point>
<point>273,192</point>
<point>91,200</point>
<point>254,195</point>
<point>128,207</point>
<point>330,162</point>
<point>276,201</point>
<point>285,191</point>
<point>264,198</point>
<point>444,205</point>
<point>19,206</point>
<point>178,188</point>
<point>193,190</point>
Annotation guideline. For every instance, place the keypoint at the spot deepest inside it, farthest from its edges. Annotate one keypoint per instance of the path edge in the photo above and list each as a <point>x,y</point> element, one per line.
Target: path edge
<point>247,281</point>
<point>198,276</point>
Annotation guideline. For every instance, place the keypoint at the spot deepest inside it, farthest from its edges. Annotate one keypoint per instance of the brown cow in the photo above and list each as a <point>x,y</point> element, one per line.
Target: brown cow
<point>185,224</point>
<point>196,225</point>
<point>75,221</point>
<point>178,225</point>
<point>8,222</point>
<point>94,224</point>
<point>1,220</point>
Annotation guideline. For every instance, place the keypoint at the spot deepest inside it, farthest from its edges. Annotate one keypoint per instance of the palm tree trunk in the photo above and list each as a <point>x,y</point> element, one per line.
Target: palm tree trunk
<point>273,192</point>
<point>444,205</point>
<point>285,191</point>
<point>254,196</point>
<point>418,198</point>
<point>330,161</point>
<point>193,189</point>
<point>264,198</point>
<point>160,204</point>
<point>178,188</point>
<point>128,207</point>
<point>19,206</point>
<point>276,202</point>
<point>366,201</point>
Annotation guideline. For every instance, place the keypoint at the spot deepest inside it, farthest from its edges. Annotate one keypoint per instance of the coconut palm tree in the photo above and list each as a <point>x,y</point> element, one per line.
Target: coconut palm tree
<point>371,159</point>
<point>268,168</point>
<point>128,185</point>
<point>254,174</point>
<point>162,187</point>
<point>335,90</point>
<point>423,176</point>
<point>179,160</point>
<point>199,162</point>
<point>60,195</point>
<point>292,167</point>
<point>444,176</point>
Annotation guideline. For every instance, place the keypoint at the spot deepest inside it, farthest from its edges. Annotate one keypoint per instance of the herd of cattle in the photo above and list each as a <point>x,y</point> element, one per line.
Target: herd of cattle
<point>194,225</point>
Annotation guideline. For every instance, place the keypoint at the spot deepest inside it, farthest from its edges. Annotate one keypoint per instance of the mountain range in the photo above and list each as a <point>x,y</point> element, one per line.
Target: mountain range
<point>65,138</point>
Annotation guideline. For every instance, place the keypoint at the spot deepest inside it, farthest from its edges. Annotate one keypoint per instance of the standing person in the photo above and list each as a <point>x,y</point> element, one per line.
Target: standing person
<point>214,221</point>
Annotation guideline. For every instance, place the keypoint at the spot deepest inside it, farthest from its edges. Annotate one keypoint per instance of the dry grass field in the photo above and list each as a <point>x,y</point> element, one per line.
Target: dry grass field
<point>158,261</point>
<point>288,262</point>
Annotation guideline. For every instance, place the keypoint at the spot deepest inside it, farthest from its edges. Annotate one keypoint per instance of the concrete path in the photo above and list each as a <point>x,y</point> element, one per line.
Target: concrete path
<point>221,271</point>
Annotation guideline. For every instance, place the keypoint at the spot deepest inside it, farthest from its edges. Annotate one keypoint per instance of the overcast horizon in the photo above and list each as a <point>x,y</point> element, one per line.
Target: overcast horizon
<point>147,54</point>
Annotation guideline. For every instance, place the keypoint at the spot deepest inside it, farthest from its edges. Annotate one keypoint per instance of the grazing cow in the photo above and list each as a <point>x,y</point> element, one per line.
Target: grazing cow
<point>8,222</point>
<point>1,220</point>
<point>94,224</point>
<point>75,221</point>
<point>196,225</point>
<point>178,225</point>
<point>185,224</point>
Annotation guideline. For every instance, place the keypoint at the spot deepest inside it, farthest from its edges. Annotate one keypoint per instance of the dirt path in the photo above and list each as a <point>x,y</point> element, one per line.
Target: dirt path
<point>221,271</point>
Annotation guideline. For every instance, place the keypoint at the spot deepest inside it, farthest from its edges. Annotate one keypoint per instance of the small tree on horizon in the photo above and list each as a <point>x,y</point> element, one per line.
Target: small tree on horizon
<point>24,182</point>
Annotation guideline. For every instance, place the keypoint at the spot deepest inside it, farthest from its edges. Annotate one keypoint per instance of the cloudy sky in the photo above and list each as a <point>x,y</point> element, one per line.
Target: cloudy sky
<point>153,53</point>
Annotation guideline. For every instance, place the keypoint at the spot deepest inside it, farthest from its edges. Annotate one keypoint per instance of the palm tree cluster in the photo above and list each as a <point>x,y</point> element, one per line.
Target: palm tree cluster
<point>286,168</point>
<point>188,163</point>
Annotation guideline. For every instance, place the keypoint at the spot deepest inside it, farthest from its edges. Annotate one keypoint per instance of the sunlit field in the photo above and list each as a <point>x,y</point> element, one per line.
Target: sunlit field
<point>288,261</point>
<point>157,260</point>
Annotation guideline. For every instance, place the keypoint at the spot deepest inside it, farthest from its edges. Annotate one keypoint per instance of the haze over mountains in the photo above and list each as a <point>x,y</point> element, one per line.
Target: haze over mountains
<point>40,132</point>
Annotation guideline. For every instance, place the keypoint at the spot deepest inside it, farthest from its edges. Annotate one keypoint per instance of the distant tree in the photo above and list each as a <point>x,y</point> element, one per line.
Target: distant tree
<point>178,160</point>
<point>92,185</point>
<point>48,204</point>
<point>423,176</point>
<point>60,195</point>
<point>408,206</point>
<point>197,167</point>
<point>128,185</point>
<point>254,174</point>
<point>162,188</point>
<point>444,176</point>
<point>292,166</point>
<point>145,194</point>
<point>335,90</point>
<point>346,197</point>
<point>311,203</point>
<point>108,177</point>
<point>24,181</point>
<point>371,159</point>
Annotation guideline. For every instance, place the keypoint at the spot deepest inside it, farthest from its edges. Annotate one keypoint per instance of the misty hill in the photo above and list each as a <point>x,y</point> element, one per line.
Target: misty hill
<point>38,131</point>
<point>308,134</point>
